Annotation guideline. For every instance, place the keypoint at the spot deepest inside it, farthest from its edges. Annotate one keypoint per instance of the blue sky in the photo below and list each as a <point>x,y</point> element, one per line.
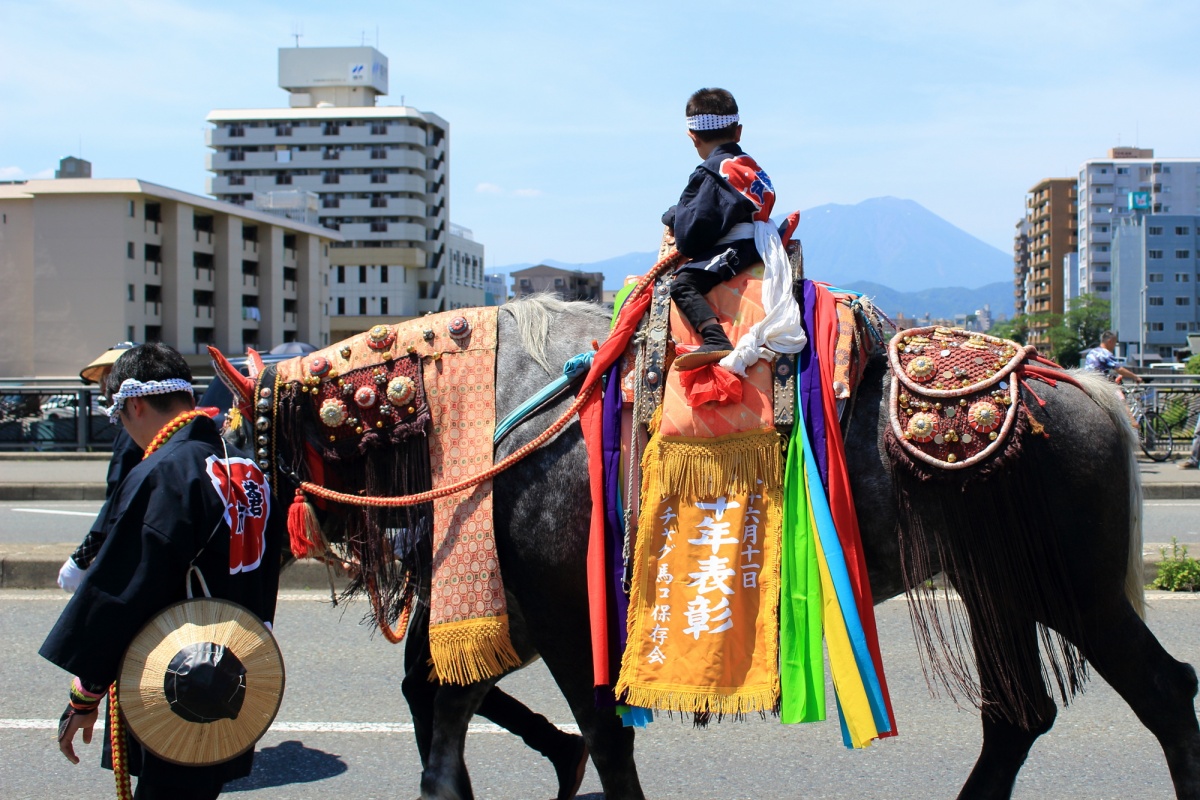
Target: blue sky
<point>567,136</point>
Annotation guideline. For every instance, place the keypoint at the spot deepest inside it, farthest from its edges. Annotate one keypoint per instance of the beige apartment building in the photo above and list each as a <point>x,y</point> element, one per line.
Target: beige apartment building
<point>566,283</point>
<point>86,263</point>
<point>1050,210</point>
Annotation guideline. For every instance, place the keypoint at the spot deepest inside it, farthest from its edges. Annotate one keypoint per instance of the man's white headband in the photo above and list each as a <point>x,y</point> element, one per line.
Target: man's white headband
<point>132,387</point>
<point>711,122</point>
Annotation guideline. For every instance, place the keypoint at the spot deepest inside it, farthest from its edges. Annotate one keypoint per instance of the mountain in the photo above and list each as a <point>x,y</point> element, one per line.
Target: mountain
<point>939,303</point>
<point>871,247</point>
<point>895,242</point>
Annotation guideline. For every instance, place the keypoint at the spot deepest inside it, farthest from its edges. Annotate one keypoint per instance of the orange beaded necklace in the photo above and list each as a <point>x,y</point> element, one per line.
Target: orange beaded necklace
<point>170,429</point>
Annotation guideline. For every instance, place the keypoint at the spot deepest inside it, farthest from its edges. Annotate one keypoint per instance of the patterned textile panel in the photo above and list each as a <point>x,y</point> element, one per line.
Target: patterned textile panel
<point>953,394</point>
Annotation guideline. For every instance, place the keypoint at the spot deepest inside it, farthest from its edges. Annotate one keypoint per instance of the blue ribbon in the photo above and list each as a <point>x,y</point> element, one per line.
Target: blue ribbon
<point>575,366</point>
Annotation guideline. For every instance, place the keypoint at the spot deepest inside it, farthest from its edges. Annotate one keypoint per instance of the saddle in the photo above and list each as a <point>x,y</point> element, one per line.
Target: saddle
<point>953,398</point>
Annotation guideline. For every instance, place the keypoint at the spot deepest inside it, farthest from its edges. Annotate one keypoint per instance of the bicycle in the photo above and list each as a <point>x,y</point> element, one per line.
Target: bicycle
<point>1154,433</point>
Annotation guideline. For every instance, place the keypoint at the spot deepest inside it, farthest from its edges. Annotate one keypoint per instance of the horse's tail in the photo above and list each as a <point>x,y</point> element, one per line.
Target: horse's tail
<point>1102,391</point>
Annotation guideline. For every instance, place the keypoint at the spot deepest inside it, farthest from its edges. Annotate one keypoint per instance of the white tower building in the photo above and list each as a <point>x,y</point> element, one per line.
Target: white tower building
<point>381,174</point>
<point>1129,181</point>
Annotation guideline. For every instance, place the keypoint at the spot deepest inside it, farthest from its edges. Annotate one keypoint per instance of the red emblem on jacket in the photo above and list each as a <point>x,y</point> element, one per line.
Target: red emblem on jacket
<point>243,489</point>
<point>749,179</point>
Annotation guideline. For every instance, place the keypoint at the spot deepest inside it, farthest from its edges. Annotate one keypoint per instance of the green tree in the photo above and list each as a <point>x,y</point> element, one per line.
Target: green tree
<point>1016,329</point>
<point>1193,365</point>
<point>1079,329</point>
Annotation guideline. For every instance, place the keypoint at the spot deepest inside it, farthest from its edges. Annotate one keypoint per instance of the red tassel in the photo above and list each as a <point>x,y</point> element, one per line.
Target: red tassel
<point>304,530</point>
<point>711,383</point>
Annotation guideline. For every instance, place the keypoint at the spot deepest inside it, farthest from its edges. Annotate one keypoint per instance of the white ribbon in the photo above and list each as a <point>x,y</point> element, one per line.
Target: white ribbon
<point>781,330</point>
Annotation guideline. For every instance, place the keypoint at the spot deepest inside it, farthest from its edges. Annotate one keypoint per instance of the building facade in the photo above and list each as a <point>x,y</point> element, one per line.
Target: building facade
<point>1129,181</point>
<point>567,284</point>
<point>1051,213</point>
<point>380,174</point>
<point>1020,265</point>
<point>89,262</point>
<point>1155,275</point>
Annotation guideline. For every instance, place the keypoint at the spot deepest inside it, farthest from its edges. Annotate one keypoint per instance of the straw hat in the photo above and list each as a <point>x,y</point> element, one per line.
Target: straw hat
<point>201,682</point>
<point>92,372</point>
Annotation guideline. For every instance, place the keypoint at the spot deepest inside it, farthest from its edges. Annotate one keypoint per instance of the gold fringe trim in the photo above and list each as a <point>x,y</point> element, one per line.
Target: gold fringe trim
<point>472,650</point>
<point>692,700</point>
<point>701,467</point>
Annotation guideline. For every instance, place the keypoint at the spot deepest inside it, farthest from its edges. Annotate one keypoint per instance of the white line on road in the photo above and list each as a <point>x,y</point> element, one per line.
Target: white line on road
<point>1173,504</point>
<point>57,511</point>
<point>295,727</point>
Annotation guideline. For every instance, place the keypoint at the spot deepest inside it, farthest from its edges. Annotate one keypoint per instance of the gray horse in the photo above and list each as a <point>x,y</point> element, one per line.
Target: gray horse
<point>1092,601</point>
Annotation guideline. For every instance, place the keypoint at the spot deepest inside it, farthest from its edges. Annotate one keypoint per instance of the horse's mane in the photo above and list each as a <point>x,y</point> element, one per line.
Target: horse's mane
<point>533,316</point>
<point>1104,394</point>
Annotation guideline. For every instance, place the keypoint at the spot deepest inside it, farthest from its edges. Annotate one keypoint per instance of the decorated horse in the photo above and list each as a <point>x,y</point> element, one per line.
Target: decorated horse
<point>965,455</point>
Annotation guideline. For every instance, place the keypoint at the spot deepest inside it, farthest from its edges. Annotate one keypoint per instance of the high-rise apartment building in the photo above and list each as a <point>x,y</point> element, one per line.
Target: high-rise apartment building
<point>1155,278</point>
<point>1129,181</point>
<point>1021,265</point>
<point>381,175</point>
<point>89,262</point>
<point>1051,216</point>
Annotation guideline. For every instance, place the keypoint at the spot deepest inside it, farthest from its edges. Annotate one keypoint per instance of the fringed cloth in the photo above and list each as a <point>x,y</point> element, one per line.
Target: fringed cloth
<point>436,371</point>
<point>703,627</point>
<point>977,513</point>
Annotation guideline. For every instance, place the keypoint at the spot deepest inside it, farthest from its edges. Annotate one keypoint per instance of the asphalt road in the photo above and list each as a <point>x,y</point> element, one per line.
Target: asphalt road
<point>342,730</point>
<point>66,521</point>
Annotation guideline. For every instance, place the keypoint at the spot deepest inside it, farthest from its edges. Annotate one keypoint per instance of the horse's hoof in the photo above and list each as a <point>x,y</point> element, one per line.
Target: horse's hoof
<point>571,768</point>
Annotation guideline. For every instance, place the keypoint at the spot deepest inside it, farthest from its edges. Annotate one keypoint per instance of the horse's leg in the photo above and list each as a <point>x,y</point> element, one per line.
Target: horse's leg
<point>418,690</point>
<point>445,775</point>
<point>1006,744</point>
<point>610,743</point>
<point>1159,689</point>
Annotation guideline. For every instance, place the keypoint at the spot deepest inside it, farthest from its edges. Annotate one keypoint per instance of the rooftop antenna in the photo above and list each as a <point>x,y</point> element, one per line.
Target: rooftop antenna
<point>297,32</point>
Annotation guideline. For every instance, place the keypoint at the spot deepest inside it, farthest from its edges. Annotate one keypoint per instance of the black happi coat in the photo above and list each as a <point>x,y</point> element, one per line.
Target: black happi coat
<point>711,205</point>
<point>126,455</point>
<point>168,512</point>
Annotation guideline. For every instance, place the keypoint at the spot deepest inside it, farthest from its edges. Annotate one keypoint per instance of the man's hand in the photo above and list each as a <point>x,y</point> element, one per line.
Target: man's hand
<point>70,722</point>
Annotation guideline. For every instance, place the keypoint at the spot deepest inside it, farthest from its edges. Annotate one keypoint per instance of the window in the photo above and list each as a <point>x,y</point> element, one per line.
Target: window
<point>237,130</point>
<point>283,179</point>
<point>331,129</point>
<point>1167,170</point>
<point>1156,326</point>
<point>132,334</point>
<point>383,308</point>
<point>129,250</point>
<point>1183,301</point>
<point>378,176</point>
<point>362,274</point>
<point>383,274</point>
<point>341,275</point>
<point>283,130</point>
<point>378,152</point>
<point>1182,277</point>
<point>341,305</point>
<point>1154,253</point>
<point>330,177</point>
<point>362,305</point>
<point>237,155</point>
<point>1122,170</point>
<point>378,129</point>
<point>1183,253</point>
<point>1183,230</point>
<point>1154,301</point>
<point>132,208</point>
<point>1155,230</point>
<point>132,294</point>
<point>237,180</point>
<point>1181,326</point>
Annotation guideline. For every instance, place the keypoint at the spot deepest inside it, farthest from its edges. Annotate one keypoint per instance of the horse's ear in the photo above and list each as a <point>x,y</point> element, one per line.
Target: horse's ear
<point>256,363</point>
<point>241,386</point>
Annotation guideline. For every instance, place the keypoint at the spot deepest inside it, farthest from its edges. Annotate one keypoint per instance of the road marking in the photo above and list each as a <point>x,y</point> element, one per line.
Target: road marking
<point>57,511</point>
<point>296,727</point>
<point>1174,504</point>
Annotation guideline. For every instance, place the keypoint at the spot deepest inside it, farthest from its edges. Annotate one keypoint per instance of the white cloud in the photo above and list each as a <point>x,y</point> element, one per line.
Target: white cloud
<point>527,193</point>
<point>11,173</point>
<point>488,188</point>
